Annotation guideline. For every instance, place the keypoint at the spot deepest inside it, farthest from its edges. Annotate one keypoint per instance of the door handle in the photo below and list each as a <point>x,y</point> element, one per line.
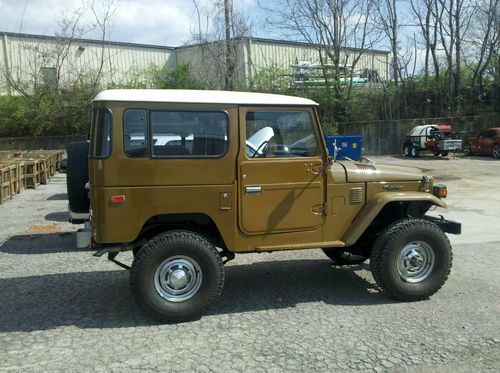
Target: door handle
<point>253,190</point>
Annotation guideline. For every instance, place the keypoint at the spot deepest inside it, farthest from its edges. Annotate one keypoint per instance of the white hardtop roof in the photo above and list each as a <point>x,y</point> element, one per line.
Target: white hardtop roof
<point>200,97</point>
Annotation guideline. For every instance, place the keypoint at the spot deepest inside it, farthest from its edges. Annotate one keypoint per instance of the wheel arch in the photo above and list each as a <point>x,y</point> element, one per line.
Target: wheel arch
<point>382,202</point>
<point>197,222</point>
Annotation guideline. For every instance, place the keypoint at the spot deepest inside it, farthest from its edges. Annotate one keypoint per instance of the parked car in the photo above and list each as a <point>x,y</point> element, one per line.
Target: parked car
<point>210,174</point>
<point>487,142</point>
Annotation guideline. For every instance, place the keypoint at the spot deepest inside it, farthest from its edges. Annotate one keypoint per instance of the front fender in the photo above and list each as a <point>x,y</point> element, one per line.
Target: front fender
<point>376,204</point>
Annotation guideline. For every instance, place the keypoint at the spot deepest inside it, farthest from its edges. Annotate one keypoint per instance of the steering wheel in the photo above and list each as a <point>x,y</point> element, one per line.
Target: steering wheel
<point>261,147</point>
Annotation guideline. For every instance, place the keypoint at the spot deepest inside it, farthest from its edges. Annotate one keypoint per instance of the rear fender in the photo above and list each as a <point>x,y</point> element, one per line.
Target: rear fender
<point>376,204</point>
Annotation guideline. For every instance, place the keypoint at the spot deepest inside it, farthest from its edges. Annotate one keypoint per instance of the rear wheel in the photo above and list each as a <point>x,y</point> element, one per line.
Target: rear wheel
<point>176,276</point>
<point>411,259</point>
<point>496,151</point>
<point>445,154</point>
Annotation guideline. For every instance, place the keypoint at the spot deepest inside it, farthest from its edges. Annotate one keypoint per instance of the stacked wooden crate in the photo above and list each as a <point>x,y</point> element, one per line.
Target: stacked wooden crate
<point>5,183</point>
<point>26,169</point>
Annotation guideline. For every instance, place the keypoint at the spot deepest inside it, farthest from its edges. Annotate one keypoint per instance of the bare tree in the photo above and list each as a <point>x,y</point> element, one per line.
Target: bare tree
<point>386,17</point>
<point>484,41</point>
<point>102,17</point>
<point>341,32</point>
<point>220,29</point>
<point>423,10</point>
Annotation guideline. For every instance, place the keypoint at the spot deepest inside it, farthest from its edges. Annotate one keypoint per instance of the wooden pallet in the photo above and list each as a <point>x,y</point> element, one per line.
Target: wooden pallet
<point>32,175</point>
<point>22,172</point>
<point>5,182</point>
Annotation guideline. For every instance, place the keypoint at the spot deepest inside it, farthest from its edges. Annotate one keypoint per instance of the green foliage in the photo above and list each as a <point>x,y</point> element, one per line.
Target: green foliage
<point>271,79</point>
<point>67,111</point>
<point>53,113</point>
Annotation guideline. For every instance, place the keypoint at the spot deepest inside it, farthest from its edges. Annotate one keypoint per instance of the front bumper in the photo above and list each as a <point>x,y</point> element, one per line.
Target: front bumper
<point>448,226</point>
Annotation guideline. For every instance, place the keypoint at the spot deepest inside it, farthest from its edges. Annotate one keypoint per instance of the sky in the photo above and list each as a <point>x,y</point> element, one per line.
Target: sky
<point>160,22</point>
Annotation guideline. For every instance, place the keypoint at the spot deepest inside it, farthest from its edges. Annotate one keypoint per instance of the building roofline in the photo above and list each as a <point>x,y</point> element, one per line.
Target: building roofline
<point>153,46</point>
<point>306,44</point>
<point>89,41</point>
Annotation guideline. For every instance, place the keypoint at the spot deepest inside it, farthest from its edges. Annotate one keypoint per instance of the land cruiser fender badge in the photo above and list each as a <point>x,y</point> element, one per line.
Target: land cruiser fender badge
<point>393,187</point>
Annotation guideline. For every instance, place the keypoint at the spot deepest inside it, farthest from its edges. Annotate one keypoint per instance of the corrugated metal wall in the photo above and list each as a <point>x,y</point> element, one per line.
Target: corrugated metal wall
<point>25,55</point>
<point>265,54</point>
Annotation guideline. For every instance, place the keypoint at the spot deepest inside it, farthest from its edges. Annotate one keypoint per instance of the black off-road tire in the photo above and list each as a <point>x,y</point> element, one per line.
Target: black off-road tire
<point>342,258</point>
<point>77,176</point>
<point>161,249</point>
<point>387,248</point>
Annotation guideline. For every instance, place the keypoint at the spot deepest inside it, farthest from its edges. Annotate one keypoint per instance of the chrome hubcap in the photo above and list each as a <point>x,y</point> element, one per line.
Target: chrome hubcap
<point>178,278</point>
<point>415,262</point>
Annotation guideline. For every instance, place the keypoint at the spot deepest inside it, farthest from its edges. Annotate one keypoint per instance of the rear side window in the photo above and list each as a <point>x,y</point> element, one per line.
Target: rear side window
<point>135,132</point>
<point>101,144</point>
<point>184,134</point>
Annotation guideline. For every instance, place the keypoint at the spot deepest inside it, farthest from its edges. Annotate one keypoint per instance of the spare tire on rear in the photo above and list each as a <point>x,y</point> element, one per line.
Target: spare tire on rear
<point>77,176</point>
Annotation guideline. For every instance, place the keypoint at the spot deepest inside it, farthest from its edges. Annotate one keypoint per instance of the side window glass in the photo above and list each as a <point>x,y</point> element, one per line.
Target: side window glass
<point>182,134</point>
<point>135,128</point>
<point>102,135</point>
<point>272,134</point>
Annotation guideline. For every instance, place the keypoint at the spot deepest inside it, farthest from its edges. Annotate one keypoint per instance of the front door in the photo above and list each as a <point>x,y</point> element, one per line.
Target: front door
<point>281,178</point>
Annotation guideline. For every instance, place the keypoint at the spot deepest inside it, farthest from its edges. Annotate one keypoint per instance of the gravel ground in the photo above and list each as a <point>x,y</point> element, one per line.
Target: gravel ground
<point>62,309</point>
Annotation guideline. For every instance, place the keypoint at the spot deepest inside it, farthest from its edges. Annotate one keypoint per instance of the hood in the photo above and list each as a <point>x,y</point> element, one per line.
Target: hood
<point>364,172</point>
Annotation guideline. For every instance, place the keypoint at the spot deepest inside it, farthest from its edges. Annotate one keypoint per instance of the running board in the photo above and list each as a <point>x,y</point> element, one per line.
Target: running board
<point>309,245</point>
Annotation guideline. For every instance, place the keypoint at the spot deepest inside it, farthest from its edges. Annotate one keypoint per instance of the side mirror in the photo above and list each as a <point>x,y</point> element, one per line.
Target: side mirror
<point>335,150</point>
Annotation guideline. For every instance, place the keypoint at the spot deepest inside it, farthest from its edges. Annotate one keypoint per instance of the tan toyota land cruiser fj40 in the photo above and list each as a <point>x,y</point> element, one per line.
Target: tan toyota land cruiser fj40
<point>187,179</point>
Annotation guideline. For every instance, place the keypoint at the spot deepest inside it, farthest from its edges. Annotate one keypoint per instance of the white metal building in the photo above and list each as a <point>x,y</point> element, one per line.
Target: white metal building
<point>36,59</point>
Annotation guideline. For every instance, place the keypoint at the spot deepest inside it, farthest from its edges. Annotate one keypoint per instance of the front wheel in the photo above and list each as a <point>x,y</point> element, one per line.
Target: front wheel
<point>411,259</point>
<point>176,275</point>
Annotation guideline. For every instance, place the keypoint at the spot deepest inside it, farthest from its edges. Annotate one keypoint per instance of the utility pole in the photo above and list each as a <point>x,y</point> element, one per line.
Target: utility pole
<point>228,15</point>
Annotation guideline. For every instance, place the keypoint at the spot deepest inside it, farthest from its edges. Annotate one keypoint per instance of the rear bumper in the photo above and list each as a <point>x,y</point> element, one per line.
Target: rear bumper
<point>78,217</point>
<point>448,226</point>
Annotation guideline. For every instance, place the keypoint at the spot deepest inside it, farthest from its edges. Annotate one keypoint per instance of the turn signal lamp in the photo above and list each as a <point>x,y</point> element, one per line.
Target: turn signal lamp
<point>440,191</point>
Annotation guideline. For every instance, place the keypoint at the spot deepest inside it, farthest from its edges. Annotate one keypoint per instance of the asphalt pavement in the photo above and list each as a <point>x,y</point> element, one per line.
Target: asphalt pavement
<point>61,309</point>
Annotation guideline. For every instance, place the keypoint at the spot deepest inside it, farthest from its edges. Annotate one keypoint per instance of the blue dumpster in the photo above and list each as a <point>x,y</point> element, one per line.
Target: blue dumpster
<point>347,146</point>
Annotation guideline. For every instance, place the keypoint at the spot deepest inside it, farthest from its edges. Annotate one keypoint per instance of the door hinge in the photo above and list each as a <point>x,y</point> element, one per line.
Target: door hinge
<point>319,169</point>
